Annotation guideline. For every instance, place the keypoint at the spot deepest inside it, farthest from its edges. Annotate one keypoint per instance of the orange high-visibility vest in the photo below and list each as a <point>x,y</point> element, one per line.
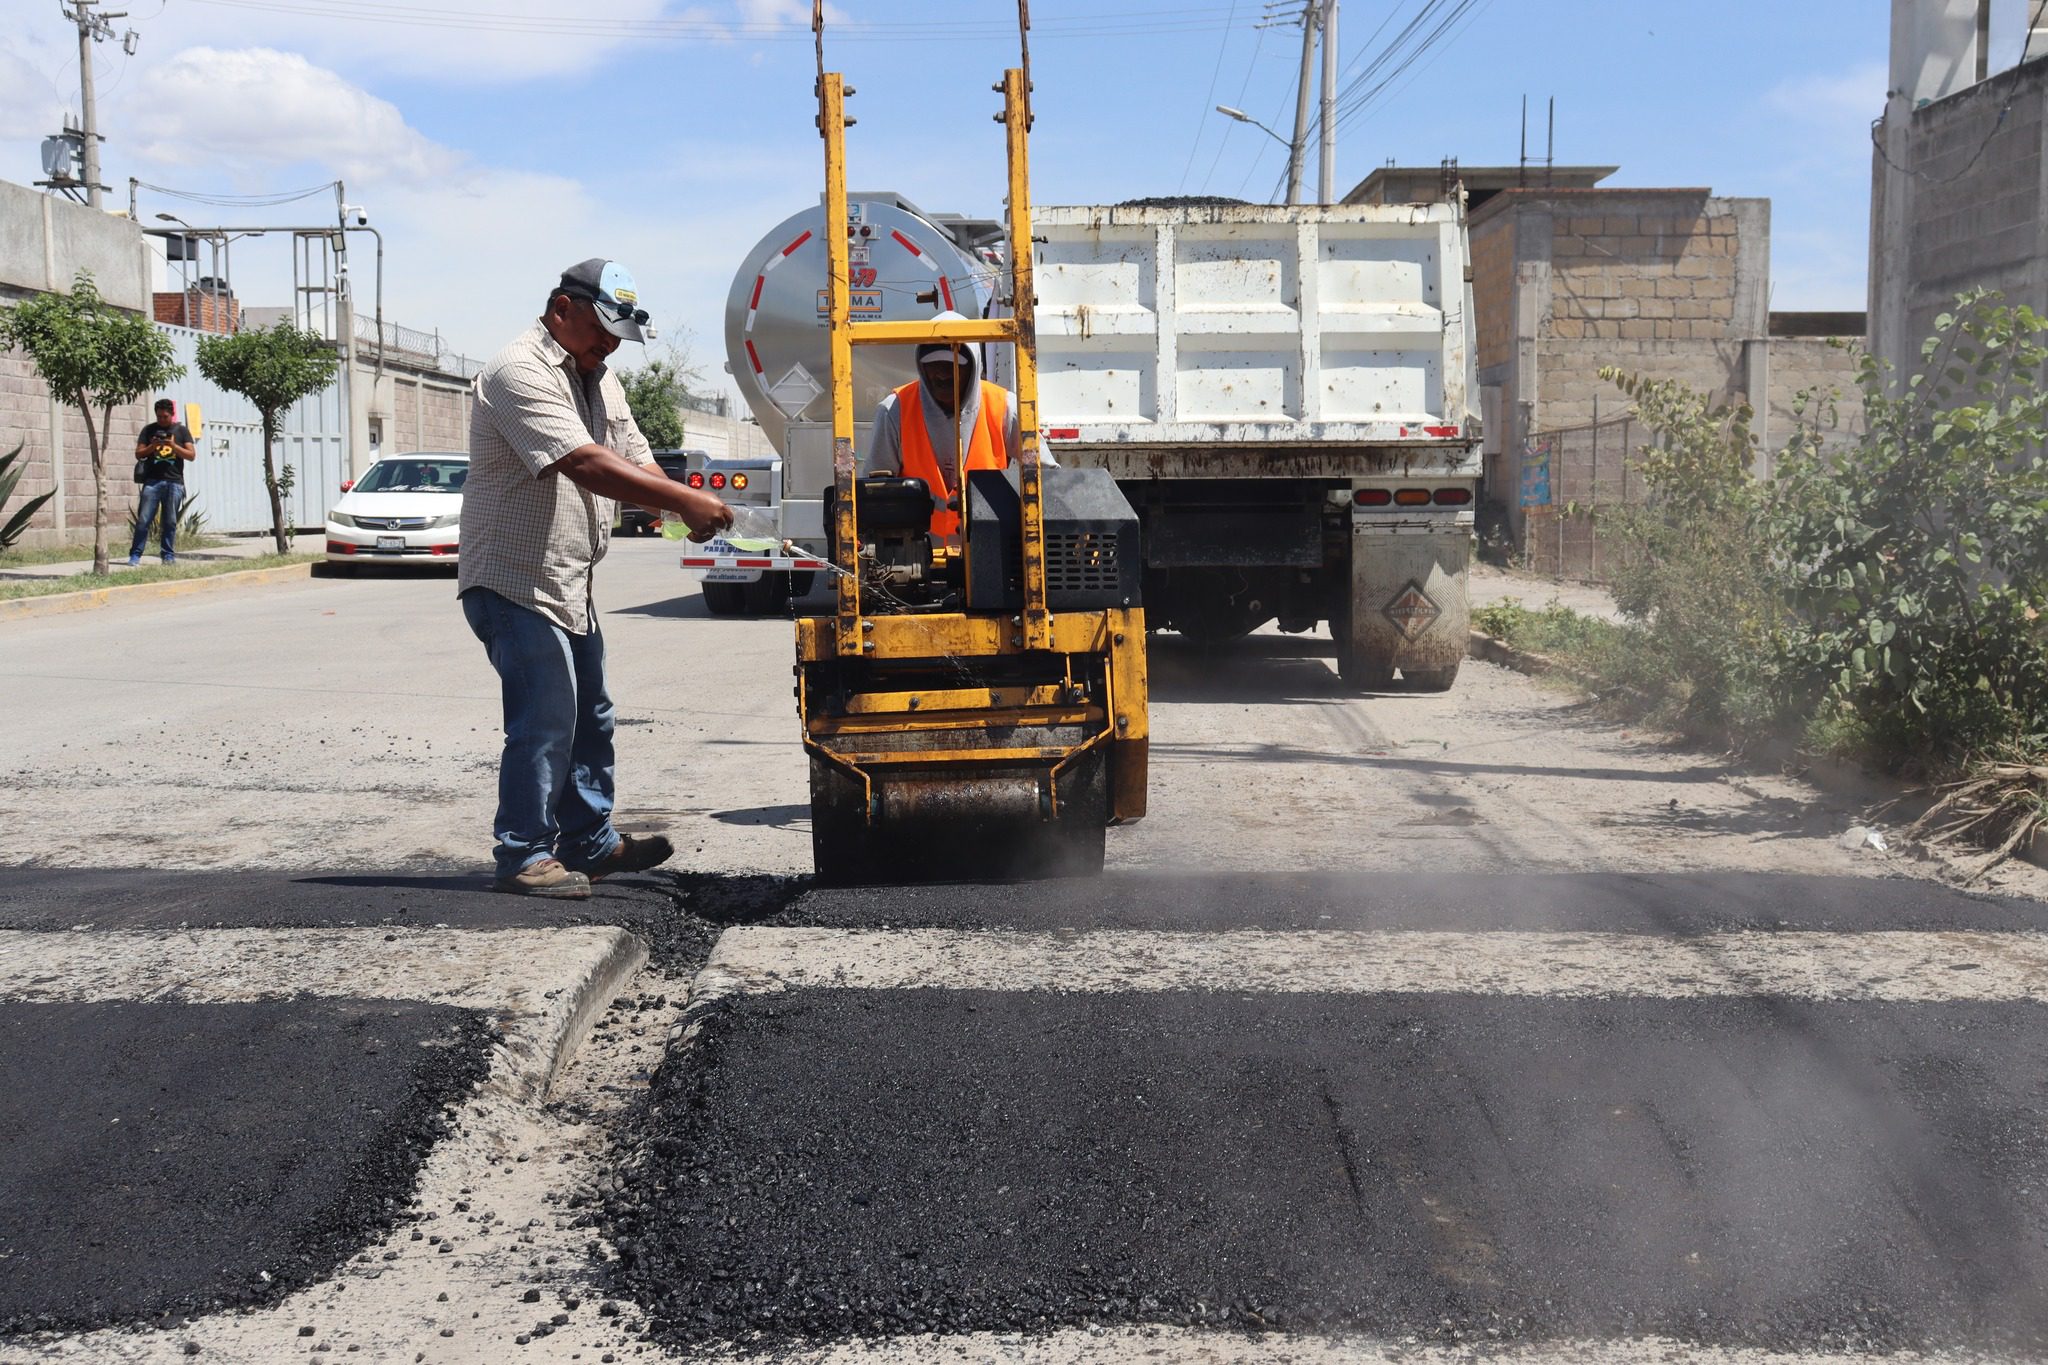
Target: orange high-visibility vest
<point>987,447</point>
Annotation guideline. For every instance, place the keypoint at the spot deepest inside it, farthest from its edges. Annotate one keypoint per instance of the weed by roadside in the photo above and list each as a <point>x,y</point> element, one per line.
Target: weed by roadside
<point>148,573</point>
<point>1884,600</point>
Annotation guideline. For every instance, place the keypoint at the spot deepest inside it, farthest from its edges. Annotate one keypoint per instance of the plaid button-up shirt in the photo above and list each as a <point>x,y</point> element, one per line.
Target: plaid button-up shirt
<point>528,533</point>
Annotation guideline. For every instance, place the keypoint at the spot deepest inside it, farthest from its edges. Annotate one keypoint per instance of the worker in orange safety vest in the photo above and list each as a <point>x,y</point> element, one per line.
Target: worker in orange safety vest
<point>920,426</point>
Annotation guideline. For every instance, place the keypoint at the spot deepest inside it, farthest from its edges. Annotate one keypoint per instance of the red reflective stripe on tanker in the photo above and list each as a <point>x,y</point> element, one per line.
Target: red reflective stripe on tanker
<point>754,356</point>
<point>908,245</point>
<point>755,302</point>
<point>752,563</point>
<point>1441,432</point>
<point>791,247</point>
<point>946,292</point>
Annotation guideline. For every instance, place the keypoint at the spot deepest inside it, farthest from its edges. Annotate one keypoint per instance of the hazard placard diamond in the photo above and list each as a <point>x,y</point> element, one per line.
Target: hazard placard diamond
<point>1412,611</point>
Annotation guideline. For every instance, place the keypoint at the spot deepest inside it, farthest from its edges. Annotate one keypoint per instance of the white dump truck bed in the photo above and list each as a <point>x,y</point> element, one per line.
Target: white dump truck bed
<point>1257,325</point>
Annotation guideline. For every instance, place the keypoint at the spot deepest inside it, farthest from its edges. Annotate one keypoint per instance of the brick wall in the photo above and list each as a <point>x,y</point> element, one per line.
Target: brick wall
<point>200,310</point>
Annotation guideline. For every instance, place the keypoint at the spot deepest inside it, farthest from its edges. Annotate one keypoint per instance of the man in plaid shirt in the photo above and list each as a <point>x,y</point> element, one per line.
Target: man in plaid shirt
<point>553,449</point>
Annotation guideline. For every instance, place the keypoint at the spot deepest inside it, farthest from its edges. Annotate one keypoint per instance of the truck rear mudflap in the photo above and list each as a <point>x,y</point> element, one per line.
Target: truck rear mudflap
<point>1408,608</point>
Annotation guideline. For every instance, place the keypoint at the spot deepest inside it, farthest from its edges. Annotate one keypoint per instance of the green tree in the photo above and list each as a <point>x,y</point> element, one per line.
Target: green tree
<point>656,391</point>
<point>273,368</point>
<point>94,356</point>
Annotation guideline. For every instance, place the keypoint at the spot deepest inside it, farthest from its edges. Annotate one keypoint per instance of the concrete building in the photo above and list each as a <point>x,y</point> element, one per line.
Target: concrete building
<point>44,242</point>
<point>1569,277</point>
<point>1959,178</point>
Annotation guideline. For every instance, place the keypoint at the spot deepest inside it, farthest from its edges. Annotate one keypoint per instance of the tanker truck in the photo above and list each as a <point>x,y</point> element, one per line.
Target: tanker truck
<point>1284,394</point>
<point>903,265</point>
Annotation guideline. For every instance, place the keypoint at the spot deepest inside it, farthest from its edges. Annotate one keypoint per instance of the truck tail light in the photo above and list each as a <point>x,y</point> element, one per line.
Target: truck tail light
<point>1372,497</point>
<point>718,480</point>
<point>739,482</point>
<point>1411,497</point>
<point>1453,497</point>
<point>696,479</point>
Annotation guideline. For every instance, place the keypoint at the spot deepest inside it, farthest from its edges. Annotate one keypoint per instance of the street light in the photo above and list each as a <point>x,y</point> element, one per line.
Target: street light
<point>1242,117</point>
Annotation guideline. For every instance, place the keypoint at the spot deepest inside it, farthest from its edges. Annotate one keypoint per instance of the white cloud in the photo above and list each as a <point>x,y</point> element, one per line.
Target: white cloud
<point>1822,122</point>
<point>262,108</point>
<point>31,105</point>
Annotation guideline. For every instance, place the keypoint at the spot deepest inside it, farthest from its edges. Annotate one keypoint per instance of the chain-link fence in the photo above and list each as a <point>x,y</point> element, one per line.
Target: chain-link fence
<point>1570,478</point>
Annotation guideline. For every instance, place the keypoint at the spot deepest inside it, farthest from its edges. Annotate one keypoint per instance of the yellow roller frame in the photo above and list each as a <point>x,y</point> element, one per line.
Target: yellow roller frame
<point>1117,636</point>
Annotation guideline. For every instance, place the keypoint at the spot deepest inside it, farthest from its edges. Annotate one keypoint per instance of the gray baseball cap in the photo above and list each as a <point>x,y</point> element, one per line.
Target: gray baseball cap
<point>609,287</point>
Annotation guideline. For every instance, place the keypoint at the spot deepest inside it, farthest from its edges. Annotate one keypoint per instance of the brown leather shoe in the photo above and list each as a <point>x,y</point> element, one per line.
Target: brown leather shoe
<point>635,853</point>
<point>546,878</point>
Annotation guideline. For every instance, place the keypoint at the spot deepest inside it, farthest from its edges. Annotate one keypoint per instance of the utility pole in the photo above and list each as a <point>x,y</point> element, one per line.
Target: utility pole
<point>1297,151</point>
<point>92,28</point>
<point>1328,177</point>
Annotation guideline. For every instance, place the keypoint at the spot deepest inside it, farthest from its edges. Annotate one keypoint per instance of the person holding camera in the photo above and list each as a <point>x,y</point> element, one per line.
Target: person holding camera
<point>160,454</point>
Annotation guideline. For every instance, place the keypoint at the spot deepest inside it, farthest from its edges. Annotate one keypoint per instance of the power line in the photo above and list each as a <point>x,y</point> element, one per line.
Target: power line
<point>1202,121</point>
<point>1438,43</point>
<point>1114,23</point>
<point>1249,67</point>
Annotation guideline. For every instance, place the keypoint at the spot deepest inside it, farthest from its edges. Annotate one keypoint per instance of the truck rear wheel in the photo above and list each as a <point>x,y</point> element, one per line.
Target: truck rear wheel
<point>767,595</point>
<point>725,599</point>
<point>1431,679</point>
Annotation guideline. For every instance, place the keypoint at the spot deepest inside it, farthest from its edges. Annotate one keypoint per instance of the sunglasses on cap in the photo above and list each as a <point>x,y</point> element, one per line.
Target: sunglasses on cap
<point>623,312</point>
<point>612,308</point>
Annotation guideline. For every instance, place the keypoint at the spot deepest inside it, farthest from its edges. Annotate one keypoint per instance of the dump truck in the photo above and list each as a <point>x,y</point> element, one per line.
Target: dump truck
<point>1286,396</point>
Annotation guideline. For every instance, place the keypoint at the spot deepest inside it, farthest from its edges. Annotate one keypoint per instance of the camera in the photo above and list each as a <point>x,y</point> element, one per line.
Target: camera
<point>355,215</point>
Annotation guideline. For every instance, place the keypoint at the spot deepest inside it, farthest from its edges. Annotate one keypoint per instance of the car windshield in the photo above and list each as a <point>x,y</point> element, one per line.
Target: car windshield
<point>414,474</point>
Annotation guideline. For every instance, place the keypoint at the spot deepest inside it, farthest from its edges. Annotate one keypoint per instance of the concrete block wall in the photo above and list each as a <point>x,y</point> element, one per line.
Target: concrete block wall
<point>427,414</point>
<point>1493,280</point>
<point>56,453</point>
<point>1966,207</point>
<point>1824,367</point>
<point>44,242</point>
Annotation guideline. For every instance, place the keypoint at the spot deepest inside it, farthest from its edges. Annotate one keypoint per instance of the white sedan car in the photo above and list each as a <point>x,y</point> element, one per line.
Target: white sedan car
<point>406,509</point>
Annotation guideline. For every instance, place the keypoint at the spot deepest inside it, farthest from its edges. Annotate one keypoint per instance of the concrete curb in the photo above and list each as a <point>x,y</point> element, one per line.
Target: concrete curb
<point>56,604</point>
<point>570,1014</point>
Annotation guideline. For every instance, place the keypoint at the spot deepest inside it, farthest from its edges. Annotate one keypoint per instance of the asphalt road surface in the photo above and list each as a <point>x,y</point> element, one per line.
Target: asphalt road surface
<point>1405,1028</point>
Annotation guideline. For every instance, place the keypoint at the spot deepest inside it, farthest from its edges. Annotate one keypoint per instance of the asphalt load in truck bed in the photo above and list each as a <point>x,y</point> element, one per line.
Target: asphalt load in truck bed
<point>158,1160</point>
<point>1742,1171</point>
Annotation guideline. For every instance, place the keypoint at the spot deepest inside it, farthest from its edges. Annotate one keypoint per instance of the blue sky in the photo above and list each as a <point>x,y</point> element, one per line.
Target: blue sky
<point>495,141</point>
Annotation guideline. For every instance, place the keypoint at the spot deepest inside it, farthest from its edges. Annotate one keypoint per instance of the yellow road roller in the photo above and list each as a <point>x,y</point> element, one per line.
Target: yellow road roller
<point>976,704</point>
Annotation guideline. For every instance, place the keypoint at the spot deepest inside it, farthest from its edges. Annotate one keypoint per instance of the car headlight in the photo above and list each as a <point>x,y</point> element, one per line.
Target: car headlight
<point>341,518</point>
<point>452,519</point>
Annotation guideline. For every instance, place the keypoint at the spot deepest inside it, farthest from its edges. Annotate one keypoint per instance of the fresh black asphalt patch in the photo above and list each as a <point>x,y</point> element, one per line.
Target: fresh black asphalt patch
<point>1734,1171</point>
<point>1609,902</point>
<point>162,1159</point>
<point>678,914</point>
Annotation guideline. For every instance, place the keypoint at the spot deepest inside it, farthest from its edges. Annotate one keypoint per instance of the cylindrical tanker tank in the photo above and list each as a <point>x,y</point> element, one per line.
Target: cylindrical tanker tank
<point>903,267</point>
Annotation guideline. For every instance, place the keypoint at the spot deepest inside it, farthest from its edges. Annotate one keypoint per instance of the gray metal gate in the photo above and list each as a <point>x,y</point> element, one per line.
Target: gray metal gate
<point>227,478</point>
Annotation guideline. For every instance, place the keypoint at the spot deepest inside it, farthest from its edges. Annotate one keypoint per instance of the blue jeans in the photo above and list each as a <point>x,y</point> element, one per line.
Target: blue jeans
<point>555,779</point>
<point>162,496</point>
